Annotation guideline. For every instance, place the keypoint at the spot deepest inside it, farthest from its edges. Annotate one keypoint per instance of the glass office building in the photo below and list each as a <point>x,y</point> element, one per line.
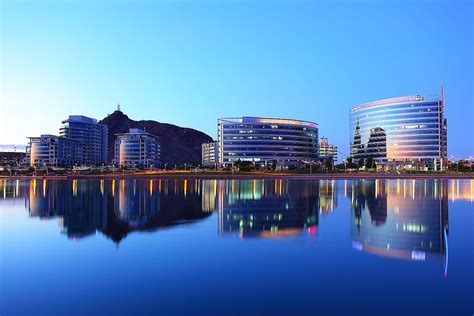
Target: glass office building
<point>408,131</point>
<point>137,149</point>
<point>51,150</point>
<point>264,140</point>
<point>92,135</point>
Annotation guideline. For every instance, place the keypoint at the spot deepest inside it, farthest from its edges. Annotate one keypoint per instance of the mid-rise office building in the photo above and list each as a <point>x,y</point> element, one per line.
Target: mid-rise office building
<point>209,154</point>
<point>51,150</point>
<point>408,131</point>
<point>326,150</point>
<point>92,135</point>
<point>137,149</point>
<point>263,140</point>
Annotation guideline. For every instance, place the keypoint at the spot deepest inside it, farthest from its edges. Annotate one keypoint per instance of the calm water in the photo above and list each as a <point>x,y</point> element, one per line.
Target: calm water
<point>217,247</point>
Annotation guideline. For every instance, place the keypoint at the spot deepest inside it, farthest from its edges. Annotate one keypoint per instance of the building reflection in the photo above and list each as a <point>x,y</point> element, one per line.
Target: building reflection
<point>405,219</point>
<point>461,190</point>
<point>394,218</point>
<point>327,195</point>
<point>12,189</point>
<point>267,208</point>
<point>114,207</point>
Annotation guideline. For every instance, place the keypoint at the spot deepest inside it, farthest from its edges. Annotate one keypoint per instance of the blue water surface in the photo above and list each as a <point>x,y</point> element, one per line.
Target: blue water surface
<point>236,247</point>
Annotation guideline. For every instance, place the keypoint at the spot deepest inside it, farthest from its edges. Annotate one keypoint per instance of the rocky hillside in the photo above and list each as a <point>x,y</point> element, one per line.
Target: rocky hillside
<point>178,144</point>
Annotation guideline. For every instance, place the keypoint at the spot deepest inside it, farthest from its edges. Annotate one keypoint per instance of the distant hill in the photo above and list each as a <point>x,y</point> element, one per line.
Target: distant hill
<point>178,144</point>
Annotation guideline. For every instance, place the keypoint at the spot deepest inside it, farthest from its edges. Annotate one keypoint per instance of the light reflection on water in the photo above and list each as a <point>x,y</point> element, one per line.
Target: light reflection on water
<point>393,219</point>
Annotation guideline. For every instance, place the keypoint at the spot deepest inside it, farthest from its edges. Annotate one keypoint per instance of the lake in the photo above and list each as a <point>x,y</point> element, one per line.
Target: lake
<point>236,247</point>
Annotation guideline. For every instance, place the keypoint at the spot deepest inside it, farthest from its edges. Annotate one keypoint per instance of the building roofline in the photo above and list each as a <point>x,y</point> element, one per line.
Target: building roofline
<point>394,101</point>
<point>142,132</point>
<point>82,119</point>
<point>267,119</point>
<point>55,136</point>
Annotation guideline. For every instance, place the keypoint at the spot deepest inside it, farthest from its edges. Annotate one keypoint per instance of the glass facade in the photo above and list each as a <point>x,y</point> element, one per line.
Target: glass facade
<point>137,149</point>
<point>51,150</point>
<point>261,140</point>
<point>407,130</point>
<point>92,135</point>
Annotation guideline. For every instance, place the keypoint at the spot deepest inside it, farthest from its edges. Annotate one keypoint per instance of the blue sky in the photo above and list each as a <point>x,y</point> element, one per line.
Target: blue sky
<point>190,62</point>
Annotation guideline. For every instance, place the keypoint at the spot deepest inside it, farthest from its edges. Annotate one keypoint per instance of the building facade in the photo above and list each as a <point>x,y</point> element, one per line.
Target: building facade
<point>408,132</point>
<point>209,154</point>
<point>51,150</point>
<point>263,140</point>
<point>92,135</point>
<point>137,149</point>
<point>326,150</point>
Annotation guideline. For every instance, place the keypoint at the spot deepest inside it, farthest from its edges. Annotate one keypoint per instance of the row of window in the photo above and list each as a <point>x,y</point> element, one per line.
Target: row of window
<point>390,112</point>
<point>270,127</point>
<point>398,106</point>
<point>383,118</point>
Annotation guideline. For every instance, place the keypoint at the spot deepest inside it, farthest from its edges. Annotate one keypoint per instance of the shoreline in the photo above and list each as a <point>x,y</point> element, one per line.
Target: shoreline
<point>248,176</point>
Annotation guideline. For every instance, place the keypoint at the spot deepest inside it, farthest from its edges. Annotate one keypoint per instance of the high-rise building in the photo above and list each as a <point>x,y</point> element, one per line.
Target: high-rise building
<point>209,154</point>
<point>51,150</point>
<point>137,149</point>
<point>92,135</point>
<point>408,131</point>
<point>263,140</point>
<point>327,150</point>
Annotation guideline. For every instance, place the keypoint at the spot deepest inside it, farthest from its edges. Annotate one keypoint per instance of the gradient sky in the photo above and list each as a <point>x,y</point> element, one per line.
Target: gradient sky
<point>190,62</point>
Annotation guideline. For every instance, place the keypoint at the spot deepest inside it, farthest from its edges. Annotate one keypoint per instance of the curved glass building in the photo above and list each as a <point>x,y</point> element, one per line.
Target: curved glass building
<point>408,131</point>
<point>263,140</point>
<point>51,150</point>
<point>137,149</point>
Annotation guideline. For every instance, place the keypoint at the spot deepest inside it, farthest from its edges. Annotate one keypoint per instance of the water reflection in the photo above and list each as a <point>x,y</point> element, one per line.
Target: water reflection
<point>327,195</point>
<point>393,218</point>
<point>402,219</point>
<point>347,237</point>
<point>271,208</point>
<point>113,207</point>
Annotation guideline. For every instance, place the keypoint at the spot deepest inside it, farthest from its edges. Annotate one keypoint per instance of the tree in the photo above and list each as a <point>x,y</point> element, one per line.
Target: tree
<point>350,163</point>
<point>369,163</point>
<point>328,163</point>
<point>245,165</point>
<point>361,162</point>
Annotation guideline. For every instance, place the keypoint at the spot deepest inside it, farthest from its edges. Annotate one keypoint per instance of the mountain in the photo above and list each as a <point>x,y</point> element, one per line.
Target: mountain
<point>178,144</point>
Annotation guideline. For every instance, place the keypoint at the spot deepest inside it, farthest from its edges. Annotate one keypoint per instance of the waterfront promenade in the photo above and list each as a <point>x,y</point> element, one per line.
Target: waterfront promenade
<point>249,175</point>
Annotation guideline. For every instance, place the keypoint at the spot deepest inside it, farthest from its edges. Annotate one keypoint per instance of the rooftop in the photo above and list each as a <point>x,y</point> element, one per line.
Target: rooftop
<point>396,100</point>
<point>135,131</point>
<point>268,120</point>
<point>80,119</point>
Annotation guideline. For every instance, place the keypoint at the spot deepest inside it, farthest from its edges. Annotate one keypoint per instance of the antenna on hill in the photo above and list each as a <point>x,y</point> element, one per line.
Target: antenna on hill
<point>118,106</point>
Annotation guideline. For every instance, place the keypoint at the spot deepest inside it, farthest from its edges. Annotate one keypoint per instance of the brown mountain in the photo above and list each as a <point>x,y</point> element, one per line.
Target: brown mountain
<point>178,144</point>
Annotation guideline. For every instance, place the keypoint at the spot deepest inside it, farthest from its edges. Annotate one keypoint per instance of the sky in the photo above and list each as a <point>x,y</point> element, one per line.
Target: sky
<point>190,62</point>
